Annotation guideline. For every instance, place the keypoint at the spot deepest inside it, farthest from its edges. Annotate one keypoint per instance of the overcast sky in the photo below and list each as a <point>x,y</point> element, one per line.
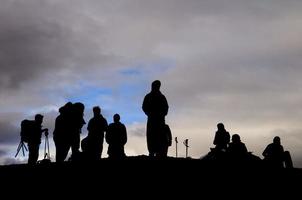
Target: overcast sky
<point>236,62</point>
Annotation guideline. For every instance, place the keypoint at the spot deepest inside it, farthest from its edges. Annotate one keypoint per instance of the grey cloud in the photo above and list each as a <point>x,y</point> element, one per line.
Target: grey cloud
<point>40,38</point>
<point>230,60</point>
<point>2,152</point>
<point>8,133</point>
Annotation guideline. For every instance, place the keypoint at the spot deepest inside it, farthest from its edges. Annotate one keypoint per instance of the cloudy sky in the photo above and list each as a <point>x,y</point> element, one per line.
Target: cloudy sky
<point>236,62</point>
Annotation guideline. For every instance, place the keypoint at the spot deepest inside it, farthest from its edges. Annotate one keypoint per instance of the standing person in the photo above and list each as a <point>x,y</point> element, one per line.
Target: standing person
<point>96,128</point>
<point>116,137</point>
<point>166,142</point>
<point>155,106</point>
<point>62,132</point>
<point>222,138</point>
<point>78,122</point>
<point>34,139</point>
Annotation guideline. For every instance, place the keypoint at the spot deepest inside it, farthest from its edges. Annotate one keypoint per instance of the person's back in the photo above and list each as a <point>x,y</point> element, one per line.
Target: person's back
<point>96,128</point>
<point>155,103</point>
<point>222,138</point>
<point>236,149</point>
<point>97,125</point>
<point>274,153</point>
<point>34,139</point>
<point>116,137</point>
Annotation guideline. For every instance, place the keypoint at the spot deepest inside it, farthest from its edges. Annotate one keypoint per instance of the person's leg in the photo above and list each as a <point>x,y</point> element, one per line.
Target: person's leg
<point>33,154</point>
<point>150,138</point>
<point>61,151</point>
<point>75,146</point>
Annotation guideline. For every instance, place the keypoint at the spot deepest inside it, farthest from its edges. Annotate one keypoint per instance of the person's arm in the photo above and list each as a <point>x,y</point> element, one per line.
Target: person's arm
<point>265,152</point>
<point>215,139</point>
<point>166,106</point>
<point>45,130</point>
<point>124,135</point>
<point>107,136</point>
<point>145,106</point>
<point>244,148</point>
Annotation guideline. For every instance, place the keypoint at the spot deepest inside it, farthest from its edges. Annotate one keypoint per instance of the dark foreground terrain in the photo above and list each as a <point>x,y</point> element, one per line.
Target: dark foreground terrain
<point>148,177</point>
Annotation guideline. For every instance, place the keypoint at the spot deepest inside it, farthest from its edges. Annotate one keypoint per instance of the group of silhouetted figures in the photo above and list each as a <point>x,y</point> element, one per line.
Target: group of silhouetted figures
<point>69,123</point>
<point>235,151</point>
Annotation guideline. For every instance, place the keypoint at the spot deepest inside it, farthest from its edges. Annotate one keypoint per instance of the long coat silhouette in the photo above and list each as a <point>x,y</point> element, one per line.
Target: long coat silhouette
<point>155,106</point>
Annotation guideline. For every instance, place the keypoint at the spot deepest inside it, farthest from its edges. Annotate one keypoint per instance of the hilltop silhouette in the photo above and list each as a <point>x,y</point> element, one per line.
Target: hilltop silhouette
<point>228,166</point>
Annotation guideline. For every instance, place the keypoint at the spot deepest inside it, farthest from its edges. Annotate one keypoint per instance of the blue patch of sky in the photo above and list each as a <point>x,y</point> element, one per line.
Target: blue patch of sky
<point>127,98</point>
<point>89,95</point>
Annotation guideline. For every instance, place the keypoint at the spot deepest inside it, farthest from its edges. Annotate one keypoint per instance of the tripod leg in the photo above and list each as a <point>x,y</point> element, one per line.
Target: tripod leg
<point>48,148</point>
<point>24,146</point>
<point>23,149</point>
<point>18,149</point>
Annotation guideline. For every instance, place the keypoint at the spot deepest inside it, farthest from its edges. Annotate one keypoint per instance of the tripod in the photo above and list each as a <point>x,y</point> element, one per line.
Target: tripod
<point>21,146</point>
<point>46,147</point>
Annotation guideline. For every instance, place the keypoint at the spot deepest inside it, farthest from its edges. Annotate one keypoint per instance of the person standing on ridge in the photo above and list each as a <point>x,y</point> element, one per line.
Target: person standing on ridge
<point>155,106</point>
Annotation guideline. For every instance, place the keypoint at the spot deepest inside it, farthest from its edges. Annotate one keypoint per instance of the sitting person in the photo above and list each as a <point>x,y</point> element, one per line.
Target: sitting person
<point>222,138</point>
<point>275,156</point>
<point>236,149</point>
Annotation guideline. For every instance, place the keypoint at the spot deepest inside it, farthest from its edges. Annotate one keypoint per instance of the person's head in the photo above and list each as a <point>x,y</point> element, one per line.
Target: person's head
<point>236,138</point>
<point>39,118</point>
<point>116,118</point>
<point>277,140</point>
<point>96,111</point>
<point>156,85</point>
<point>220,126</point>
<point>79,107</point>
<point>66,108</point>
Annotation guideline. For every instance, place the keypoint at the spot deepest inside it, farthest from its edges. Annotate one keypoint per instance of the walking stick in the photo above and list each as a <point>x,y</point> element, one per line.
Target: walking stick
<point>186,143</point>
<point>176,142</point>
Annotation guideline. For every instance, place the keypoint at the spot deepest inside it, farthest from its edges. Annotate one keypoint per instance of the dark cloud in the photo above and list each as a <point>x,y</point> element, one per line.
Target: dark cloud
<point>9,133</point>
<point>41,38</point>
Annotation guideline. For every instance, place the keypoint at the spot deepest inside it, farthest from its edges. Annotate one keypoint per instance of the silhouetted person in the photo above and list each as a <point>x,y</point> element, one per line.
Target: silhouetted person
<point>96,128</point>
<point>222,138</point>
<point>275,156</point>
<point>166,141</point>
<point>236,149</point>
<point>76,128</point>
<point>62,132</point>
<point>34,139</point>
<point>116,137</point>
<point>156,107</point>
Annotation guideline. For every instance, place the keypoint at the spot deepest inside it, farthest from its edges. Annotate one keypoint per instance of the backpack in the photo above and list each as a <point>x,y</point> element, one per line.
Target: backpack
<point>27,127</point>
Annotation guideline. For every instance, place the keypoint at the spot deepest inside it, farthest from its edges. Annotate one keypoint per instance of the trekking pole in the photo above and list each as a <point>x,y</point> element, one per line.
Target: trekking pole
<point>176,142</point>
<point>187,146</point>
